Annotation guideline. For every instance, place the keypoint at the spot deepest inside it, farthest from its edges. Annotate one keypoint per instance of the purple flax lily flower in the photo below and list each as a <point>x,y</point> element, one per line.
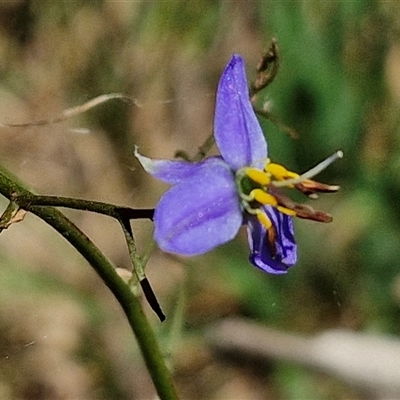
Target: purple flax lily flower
<point>211,199</point>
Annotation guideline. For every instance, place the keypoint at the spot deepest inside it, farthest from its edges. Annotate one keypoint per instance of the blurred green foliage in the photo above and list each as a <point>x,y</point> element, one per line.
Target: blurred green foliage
<point>332,88</point>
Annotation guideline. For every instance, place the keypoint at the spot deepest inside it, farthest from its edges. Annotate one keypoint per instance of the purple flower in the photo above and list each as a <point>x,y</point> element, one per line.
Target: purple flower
<point>211,199</point>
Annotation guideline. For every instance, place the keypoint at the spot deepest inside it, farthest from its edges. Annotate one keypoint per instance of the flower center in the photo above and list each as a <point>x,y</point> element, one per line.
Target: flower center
<point>255,189</point>
<point>258,188</point>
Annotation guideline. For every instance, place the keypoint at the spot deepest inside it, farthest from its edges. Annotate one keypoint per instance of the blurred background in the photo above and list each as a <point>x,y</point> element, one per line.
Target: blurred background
<point>62,334</point>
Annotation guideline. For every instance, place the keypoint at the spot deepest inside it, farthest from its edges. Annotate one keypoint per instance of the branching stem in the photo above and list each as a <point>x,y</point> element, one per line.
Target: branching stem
<point>130,304</point>
<point>28,200</point>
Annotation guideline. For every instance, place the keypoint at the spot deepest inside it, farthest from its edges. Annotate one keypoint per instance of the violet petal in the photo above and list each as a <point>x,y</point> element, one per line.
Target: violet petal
<point>286,249</point>
<point>199,214</point>
<point>173,171</point>
<point>236,129</point>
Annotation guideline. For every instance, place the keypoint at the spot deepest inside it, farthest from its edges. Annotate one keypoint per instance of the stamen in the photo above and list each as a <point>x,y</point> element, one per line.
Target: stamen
<point>309,187</point>
<point>310,173</point>
<point>287,211</point>
<point>279,172</point>
<point>258,176</point>
<point>271,241</point>
<point>262,197</point>
<point>263,218</point>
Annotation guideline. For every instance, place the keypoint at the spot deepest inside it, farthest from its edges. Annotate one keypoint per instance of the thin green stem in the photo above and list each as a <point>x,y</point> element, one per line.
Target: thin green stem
<point>147,253</point>
<point>122,214</point>
<point>204,148</point>
<point>138,269</point>
<point>130,304</point>
<point>135,258</point>
<point>28,199</point>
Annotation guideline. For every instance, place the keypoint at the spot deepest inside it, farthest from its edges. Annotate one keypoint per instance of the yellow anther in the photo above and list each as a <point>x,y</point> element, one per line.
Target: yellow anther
<point>258,176</point>
<point>279,172</point>
<point>286,211</point>
<point>263,197</point>
<point>263,218</point>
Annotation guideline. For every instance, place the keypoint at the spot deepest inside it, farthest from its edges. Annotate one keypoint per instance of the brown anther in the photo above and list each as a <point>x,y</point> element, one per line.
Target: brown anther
<point>271,240</point>
<point>309,187</point>
<point>301,210</point>
<point>307,212</point>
